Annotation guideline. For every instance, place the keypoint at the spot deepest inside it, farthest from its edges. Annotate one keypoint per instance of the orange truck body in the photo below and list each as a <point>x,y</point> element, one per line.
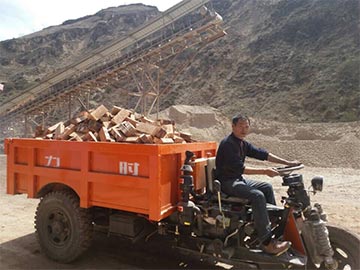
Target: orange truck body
<point>139,178</point>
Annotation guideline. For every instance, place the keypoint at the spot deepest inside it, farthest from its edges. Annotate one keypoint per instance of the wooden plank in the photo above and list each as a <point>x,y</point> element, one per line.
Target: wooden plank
<point>127,129</point>
<point>82,116</point>
<point>147,128</point>
<point>146,138</point>
<point>98,112</point>
<point>82,128</point>
<point>132,120</point>
<point>133,139</point>
<point>94,126</point>
<point>166,122</point>
<point>144,119</point>
<point>123,126</point>
<point>107,124</point>
<point>115,110</point>
<point>49,136</point>
<point>163,140</point>
<point>59,130</point>
<point>117,135</point>
<point>75,137</point>
<point>104,135</point>
<point>68,130</point>
<point>160,133</point>
<point>106,117</point>
<point>186,136</point>
<point>92,137</point>
<point>120,116</point>
<point>169,128</point>
<point>53,128</point>
<point>178,139</point>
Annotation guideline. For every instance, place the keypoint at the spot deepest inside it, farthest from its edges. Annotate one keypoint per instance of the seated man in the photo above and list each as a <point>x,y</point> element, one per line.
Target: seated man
<point>230,160</point>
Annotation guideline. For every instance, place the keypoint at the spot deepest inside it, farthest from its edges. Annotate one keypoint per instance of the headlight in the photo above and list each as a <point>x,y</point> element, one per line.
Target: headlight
<point>317,183</point>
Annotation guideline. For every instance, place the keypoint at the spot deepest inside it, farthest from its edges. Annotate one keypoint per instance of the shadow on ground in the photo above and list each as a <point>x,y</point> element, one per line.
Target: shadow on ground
<point>105,253</point>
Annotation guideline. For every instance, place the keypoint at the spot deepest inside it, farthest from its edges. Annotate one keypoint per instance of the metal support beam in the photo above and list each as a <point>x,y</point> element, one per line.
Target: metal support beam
<point>69,106</point>
<point>26,125</point>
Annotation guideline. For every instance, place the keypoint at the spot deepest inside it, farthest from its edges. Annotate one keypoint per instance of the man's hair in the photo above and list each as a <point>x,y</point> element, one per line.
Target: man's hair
<point>240,117</point>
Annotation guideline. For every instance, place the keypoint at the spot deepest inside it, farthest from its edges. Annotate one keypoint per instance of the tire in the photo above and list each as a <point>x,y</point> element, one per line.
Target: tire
<point>63,229</point>
<point>346,246</point>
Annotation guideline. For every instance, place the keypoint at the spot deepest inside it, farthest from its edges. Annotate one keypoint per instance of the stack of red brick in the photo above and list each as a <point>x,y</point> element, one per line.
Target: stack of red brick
<point>117,125</point>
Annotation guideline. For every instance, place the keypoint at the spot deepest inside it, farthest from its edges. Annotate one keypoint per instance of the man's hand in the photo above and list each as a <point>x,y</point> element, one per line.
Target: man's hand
<point>293,163</point>
<point>271,172</point>
<point>276,159</point>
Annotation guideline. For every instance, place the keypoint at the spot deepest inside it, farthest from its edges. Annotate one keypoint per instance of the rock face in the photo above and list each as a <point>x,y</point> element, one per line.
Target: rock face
<point>281,60</point>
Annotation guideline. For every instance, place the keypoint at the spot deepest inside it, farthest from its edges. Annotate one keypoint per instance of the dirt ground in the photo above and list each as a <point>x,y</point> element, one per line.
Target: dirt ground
<point>336,158</point>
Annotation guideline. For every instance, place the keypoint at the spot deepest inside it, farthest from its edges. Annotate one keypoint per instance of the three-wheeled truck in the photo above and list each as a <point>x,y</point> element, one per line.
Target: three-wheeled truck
<point>138,190</point>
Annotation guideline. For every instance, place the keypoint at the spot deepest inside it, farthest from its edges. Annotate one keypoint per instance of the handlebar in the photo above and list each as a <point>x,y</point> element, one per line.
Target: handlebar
<point>288,169</point>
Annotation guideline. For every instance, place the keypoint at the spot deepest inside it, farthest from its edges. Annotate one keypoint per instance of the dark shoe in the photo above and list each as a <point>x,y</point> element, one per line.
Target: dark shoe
<point>276,247</point>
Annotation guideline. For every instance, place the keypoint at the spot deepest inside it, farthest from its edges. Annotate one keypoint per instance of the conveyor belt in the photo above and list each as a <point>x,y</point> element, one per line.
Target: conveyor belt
<point>19,104</point>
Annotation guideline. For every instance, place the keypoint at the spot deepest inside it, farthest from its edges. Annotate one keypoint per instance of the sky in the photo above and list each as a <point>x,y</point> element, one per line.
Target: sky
<point>22,17</point>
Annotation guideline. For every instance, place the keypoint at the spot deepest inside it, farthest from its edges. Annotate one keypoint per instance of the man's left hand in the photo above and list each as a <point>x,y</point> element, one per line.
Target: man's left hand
<point>293,163</point>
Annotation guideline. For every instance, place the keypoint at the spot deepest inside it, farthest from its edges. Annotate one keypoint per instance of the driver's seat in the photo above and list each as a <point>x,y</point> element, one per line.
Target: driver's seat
<point>210,168</point>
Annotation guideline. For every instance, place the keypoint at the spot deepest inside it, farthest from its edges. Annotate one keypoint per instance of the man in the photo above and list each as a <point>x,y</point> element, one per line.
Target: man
<point>230,167</point>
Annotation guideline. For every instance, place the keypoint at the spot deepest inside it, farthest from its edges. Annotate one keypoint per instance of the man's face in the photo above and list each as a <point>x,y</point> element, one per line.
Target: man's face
<point>241,128</point>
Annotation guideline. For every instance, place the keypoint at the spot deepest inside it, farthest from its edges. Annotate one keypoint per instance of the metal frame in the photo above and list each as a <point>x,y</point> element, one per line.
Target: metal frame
<point>140,59</point>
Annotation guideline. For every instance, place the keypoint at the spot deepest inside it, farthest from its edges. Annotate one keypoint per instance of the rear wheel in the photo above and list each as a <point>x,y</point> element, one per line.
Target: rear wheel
<point>63,229</point>
<point>346,246</point>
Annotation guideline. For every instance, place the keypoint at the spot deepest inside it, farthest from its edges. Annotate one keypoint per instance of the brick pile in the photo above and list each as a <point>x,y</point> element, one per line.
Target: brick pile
<point>116,125</point>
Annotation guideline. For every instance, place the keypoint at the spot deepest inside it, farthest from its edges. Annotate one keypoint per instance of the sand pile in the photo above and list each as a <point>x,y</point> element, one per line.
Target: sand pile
<point>329,145</point>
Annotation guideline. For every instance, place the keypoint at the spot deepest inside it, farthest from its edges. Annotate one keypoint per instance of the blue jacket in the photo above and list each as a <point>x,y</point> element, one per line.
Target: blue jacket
<point>230,157</point>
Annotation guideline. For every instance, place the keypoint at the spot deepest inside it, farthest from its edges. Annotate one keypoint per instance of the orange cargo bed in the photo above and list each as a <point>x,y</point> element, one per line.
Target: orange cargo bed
<point>140,178</point>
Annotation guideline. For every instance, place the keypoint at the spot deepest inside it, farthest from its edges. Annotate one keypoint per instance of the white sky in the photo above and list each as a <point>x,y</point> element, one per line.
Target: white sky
<point>22,17</point>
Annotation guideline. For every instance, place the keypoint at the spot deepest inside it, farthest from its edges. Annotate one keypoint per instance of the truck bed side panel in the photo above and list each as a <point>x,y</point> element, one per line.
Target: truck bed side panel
<point>138,178</point>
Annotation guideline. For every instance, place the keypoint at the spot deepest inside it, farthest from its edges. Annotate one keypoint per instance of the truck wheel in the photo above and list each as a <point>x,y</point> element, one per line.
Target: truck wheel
<point>63,229</point>
<point>346,246</point>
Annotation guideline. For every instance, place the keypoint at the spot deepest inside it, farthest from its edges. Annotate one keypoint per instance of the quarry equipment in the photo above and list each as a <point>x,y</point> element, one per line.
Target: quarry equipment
<point>141,66</point>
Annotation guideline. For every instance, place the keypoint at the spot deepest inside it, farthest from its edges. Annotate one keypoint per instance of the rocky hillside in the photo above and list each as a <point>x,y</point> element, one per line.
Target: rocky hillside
<point>282,60</point>
<point>24,61</point>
